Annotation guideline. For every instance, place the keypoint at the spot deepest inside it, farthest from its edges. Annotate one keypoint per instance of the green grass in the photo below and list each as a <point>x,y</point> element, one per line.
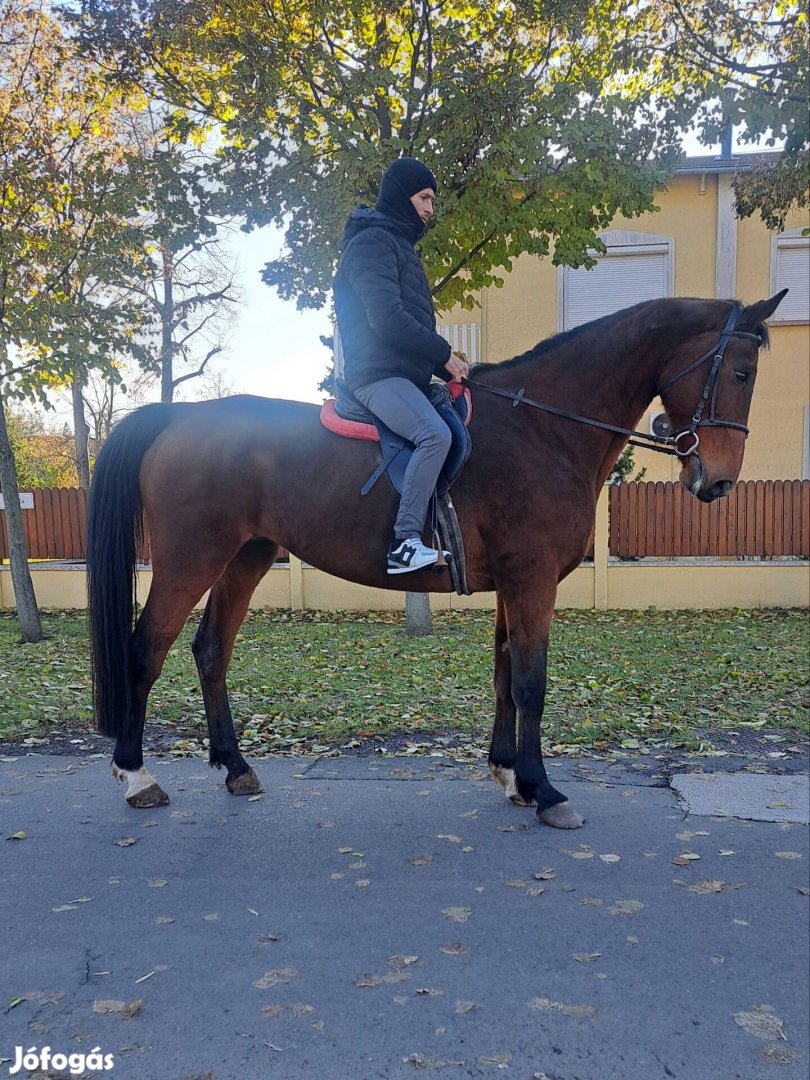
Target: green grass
<point>308,682</point>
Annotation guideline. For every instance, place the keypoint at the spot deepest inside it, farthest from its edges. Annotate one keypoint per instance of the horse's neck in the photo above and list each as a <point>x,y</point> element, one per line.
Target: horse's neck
<point>601,377</point>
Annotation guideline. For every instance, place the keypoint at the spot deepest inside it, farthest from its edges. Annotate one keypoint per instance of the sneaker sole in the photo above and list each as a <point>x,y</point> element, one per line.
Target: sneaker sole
<point>411,569</point>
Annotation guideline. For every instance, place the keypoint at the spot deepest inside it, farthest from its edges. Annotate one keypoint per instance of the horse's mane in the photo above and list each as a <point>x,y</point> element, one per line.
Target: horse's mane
<point>558,341</point>
<point>567,337</point>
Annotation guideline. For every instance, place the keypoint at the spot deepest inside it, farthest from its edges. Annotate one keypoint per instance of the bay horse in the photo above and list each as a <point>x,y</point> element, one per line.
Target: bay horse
<point>222,484</point>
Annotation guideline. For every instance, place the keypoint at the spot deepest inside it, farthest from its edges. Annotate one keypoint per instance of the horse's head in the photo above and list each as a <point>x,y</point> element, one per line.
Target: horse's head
<point>708,397</point>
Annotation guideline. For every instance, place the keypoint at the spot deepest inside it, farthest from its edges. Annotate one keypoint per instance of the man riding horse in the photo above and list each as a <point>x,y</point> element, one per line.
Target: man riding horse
<point>391,350</point>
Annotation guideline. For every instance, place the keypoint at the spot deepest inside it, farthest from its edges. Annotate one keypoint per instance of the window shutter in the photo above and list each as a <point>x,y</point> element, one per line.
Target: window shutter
<point>793,272</point>
<point>619,279</point>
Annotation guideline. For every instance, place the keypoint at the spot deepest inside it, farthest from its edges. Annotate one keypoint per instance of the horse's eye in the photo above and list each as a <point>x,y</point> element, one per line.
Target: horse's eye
<point>741,376</point>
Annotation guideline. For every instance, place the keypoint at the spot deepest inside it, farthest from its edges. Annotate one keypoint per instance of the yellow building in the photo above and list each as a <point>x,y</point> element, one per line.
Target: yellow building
<point>694,246</point>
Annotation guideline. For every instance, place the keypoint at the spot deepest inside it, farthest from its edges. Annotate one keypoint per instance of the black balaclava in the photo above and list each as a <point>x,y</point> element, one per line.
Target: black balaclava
<point>402,179</point>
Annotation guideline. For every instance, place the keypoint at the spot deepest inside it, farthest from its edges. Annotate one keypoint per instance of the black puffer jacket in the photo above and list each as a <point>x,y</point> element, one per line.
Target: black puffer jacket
<point>383,303</point>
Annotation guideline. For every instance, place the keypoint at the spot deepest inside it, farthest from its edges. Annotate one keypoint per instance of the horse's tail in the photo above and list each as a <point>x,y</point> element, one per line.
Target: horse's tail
<point>114,531</point>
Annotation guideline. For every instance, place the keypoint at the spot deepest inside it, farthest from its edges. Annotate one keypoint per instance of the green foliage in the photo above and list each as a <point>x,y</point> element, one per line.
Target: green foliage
<point>542,120</point>
<point>44,458</point>
<point>623,469</point>
<point>65,196</point>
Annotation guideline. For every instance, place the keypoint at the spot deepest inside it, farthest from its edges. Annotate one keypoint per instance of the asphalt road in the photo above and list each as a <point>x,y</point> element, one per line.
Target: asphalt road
<point>379,918</point>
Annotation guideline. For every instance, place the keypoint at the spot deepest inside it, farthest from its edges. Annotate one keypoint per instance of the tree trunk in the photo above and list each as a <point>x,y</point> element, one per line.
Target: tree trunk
<point>81,434</point>
<point>27,613</point>
<point>167,328</point>
<point>418,619</point>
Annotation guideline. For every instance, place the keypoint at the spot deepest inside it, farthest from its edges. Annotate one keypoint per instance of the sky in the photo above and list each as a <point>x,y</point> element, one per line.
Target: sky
<point>275,351</point>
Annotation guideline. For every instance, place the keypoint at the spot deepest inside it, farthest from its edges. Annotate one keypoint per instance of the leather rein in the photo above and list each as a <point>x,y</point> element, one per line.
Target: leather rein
<point>663,444</point>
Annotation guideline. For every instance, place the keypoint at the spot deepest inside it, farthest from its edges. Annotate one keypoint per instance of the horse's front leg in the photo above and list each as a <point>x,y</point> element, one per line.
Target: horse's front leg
<point>503,747</point>
<point>529,620</point>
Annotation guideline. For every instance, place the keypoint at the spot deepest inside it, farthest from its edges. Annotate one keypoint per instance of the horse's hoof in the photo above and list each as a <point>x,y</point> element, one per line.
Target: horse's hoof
<point>148,798</point>
<point>561,816</point>
<point>246,783</point>
<point>143,791</point>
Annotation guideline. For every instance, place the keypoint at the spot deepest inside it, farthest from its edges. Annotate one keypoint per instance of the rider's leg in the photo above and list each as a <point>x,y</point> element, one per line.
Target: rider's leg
<point>405,410</point>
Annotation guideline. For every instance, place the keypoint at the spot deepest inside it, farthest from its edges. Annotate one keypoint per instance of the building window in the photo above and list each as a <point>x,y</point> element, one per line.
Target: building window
<point>790,269</point>
<point>636,267</point>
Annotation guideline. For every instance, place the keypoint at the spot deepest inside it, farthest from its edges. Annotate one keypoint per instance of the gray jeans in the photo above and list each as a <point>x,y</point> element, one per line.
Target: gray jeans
<point>404,408</point>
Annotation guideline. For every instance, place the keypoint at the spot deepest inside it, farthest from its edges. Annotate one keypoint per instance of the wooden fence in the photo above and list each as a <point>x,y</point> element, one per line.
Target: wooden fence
<point>763,519</point>
<point>759,519</point>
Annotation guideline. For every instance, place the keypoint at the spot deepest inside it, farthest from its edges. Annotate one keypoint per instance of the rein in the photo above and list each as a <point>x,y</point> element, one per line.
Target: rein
<point>662,444</point>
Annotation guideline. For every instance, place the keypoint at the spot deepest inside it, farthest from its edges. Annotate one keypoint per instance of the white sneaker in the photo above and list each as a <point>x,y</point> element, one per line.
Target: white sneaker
<point>404,556</point>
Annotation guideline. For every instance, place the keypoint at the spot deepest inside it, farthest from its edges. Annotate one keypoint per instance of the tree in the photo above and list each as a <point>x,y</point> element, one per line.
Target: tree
<point>184,283</point>
<point>755,65</point>
<point>64,191</point>
<point>542,120</point>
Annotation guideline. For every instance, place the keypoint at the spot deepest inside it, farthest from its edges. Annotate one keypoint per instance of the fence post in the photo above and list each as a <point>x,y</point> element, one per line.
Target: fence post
<point>601,551</point>
<point>296,583</point>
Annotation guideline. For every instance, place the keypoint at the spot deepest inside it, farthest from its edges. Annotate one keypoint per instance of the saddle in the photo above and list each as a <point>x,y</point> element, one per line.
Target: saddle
<point>345,415</point>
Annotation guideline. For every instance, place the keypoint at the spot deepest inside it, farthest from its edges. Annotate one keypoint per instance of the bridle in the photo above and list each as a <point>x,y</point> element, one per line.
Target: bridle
<point>663,444</point>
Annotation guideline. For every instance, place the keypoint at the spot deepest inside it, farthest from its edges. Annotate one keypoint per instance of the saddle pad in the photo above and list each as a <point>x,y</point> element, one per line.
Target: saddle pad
<point>353,429</point>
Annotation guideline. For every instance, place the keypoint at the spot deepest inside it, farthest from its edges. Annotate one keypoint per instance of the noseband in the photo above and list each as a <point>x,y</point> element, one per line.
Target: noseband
<point>663,444</point>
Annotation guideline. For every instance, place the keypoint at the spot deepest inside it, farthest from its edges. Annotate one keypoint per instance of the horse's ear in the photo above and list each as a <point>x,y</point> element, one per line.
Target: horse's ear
<point>756,314</point>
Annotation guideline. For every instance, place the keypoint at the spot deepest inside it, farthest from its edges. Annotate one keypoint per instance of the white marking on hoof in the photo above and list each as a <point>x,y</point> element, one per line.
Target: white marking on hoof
<point>143,791</point>
<point>506,778</point>
<point>561,816</point>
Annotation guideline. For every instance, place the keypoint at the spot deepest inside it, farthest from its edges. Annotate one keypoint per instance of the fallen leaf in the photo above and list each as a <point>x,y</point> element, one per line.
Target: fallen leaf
<point>253,798</point>
<point>272,1011</point>
<point>687,834</point>
<point>362,883</point>
<point>546,874</point>
<point>164,919</point>
<point>718,959</point>
<point>457,914</point>
<point>585,957</point>
<point>761,1022</point>
<point>454,948</point>
<point>16,836</point>
<point>463,1007</point>
<point>428,991</point>
<point>513,828</point>
<point>399,962</point>
<point>119,1008</point>
<point>421,860</point>
<point>625,907</point>
<point>143,978</point>
<point>212,917</point>
<point>610,858</point>
<point>536,890</point>
<point>726,852</point>
<point>253,911</point>
<point>707,885</point>
<point>299,1009</point>
<point>579,1012</point>
<point>126,841</point>
<point>501,1060</point>
<point>592,901</point>
<point>788,854</point>
<point>65,907</point>
<point>345,850</point>
<point>274,977</point>
<point>449,837</point>
<point>779,1054</point>
<point>156,883</point>
<point>803,890</point>
<point>516,883</point>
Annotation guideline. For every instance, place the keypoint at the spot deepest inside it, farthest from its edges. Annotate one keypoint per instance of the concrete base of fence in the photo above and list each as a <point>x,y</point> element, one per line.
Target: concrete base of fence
<point>605,584</point>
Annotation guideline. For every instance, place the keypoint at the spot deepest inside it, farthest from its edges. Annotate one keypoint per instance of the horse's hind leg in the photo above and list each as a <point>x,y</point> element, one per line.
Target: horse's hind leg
<point>213,646</point>
<point>171,599</point>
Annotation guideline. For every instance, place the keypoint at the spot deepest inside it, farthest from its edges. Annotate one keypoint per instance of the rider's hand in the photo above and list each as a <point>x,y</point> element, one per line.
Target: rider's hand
<point>457,366</point>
